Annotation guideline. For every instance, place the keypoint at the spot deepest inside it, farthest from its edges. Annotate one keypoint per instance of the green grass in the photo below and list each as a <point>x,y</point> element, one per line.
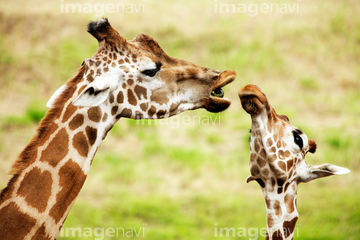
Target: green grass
<point>176,180</point>
<point>33,114</point>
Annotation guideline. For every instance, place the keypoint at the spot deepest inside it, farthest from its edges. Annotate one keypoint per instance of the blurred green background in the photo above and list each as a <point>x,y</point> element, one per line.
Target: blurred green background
<point>174,180</point>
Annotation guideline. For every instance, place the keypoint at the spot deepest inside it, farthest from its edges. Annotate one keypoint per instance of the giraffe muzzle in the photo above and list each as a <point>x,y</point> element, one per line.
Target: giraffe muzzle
<point>252,99</point>
<point>216,101</point>
<point>224,79</point>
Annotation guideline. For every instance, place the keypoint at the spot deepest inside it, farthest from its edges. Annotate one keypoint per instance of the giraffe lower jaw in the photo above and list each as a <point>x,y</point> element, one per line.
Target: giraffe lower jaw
<point>216,104</point>
<point>216,101</point>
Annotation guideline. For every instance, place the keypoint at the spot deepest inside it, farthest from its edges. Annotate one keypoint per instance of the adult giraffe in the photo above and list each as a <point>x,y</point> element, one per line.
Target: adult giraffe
<point>132,79</point>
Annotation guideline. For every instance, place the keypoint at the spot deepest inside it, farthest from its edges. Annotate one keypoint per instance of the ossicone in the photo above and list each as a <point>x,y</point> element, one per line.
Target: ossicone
<point>102,30</point>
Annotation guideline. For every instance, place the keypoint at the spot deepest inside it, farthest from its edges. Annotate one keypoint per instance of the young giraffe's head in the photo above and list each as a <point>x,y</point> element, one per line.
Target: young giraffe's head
<point>277,161</point>
<point>137,79</point>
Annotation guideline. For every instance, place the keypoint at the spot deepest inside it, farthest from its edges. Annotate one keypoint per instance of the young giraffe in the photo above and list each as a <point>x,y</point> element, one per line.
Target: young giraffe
<point>277,162</point>
<point>132,79</point>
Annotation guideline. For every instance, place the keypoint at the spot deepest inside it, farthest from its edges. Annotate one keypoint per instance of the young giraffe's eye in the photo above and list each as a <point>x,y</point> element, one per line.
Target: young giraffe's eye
<point>152,72</point>
<point>298,140</point>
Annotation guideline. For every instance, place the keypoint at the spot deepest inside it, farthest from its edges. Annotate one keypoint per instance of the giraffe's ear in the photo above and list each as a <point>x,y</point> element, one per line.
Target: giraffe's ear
<point>95,93</point>
<point>249,179</point>
<point>320,171</point>
<point>57,93</point>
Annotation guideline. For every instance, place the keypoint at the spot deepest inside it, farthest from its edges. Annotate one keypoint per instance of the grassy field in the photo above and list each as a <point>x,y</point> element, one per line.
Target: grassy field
<point>180,180</point>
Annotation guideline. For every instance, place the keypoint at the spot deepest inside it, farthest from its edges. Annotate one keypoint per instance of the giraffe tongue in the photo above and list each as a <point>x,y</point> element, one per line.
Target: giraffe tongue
<point>224,79</point>
<point>218,92</point>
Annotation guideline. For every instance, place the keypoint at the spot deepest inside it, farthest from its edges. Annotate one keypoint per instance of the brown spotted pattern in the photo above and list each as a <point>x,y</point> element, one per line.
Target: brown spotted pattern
<point>36,188</point>
<point>10,225</point>
<point>53,175</point>
<point>176,86</point>
<point>273,162</point>
<point>57,149</point>
<point>116,82</point>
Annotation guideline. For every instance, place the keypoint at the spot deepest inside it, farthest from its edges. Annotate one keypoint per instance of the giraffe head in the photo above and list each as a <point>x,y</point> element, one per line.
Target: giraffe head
<point>139,80</point>
<point>277,161</point>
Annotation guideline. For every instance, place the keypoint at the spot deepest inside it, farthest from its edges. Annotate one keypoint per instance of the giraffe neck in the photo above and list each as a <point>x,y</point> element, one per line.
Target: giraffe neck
<point>278,186</point>
<point>52,170</point>
<point>281,212</point>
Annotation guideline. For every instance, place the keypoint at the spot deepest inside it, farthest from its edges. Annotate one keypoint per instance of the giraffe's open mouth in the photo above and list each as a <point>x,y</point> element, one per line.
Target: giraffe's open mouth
<point>224,79</point>
<point>216,101</point>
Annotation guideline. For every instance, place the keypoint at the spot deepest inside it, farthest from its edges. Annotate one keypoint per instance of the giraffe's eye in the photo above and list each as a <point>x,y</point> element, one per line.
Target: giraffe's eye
<point>152,72</point>
<point>298,140</point>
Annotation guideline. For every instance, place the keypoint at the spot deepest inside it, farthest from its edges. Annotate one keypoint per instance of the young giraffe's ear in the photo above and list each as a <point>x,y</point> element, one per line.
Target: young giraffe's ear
<point>258,180</point>
<point>249,179</point>
<point>320,171</point>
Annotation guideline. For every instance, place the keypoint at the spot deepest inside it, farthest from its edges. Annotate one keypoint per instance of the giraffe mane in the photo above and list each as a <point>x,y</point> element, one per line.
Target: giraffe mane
<point>150,45</point>
<point>45,123</point>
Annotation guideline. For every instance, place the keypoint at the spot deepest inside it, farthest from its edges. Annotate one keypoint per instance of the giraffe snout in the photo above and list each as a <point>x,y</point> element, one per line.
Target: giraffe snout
<point>252,99</point>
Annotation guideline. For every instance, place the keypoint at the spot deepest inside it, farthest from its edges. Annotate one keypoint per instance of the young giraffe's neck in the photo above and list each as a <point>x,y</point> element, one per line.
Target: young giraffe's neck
<point>52,169</point>
<point>279,196</point>
<point>281,213</point>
